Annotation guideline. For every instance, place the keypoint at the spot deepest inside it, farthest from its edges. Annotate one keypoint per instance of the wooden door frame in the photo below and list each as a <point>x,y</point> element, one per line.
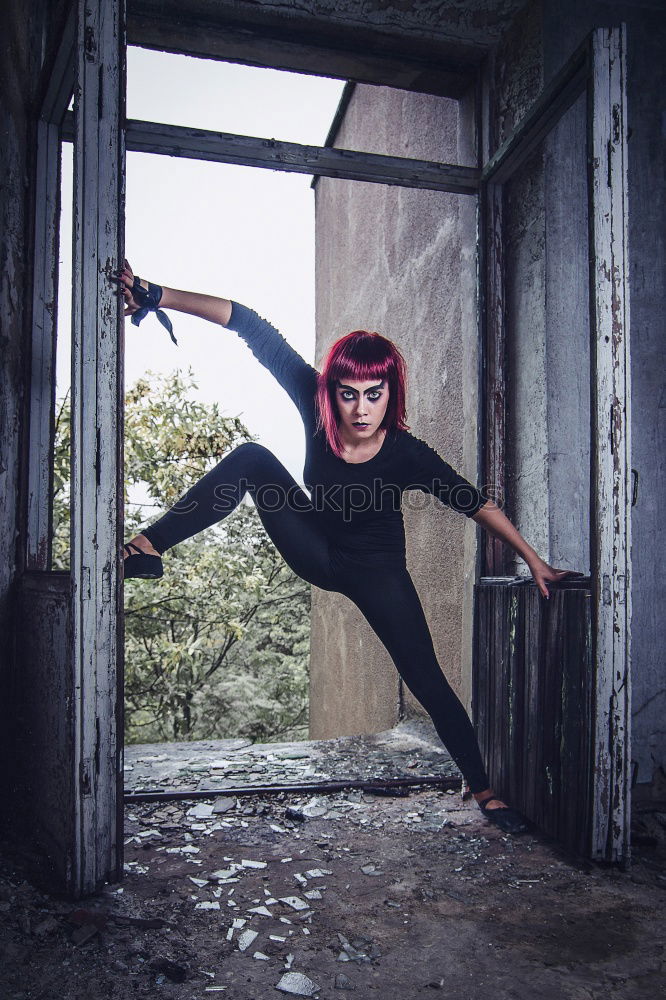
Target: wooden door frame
<point>597,68</point>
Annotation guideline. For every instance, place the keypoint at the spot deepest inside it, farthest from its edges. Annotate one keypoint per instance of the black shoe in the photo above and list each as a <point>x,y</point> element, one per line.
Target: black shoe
<point>507,819</point>
<point>140,564</point>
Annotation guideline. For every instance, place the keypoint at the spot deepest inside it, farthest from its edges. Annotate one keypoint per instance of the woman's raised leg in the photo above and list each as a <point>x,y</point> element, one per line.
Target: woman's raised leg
<point>285,509</point>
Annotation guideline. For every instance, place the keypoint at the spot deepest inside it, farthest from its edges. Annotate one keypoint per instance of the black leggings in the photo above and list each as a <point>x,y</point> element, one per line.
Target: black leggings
<point>393,608</point>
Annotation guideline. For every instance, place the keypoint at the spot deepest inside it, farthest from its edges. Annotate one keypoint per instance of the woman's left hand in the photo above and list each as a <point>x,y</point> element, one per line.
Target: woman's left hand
<point>543,574</point>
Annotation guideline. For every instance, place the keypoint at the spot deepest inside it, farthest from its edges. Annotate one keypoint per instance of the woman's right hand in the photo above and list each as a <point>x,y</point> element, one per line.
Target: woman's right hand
<point>125,278</point>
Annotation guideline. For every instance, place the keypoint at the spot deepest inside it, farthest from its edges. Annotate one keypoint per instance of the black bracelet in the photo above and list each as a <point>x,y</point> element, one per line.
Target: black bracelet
<point>149,300</point>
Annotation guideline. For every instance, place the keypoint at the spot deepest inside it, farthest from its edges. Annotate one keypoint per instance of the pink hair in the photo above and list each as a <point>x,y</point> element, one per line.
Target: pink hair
<point>360,356</point>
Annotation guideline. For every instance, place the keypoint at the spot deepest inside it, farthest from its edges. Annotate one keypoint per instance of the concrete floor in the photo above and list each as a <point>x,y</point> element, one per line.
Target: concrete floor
<point>398,897</point>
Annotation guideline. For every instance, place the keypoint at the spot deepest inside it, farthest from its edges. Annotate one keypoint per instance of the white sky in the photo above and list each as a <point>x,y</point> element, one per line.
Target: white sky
<point>239,232</point>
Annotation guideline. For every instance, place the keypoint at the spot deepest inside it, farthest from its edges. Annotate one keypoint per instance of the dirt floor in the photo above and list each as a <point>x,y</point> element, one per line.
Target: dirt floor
<point>397,897</point>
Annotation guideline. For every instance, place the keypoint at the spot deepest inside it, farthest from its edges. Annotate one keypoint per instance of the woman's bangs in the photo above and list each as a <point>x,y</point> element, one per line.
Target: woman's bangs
<point>358,371</point>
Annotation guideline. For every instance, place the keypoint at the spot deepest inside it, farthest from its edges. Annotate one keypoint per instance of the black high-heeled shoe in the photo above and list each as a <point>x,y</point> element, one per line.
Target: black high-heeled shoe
<point>140,564</point>
<point>507,819</point>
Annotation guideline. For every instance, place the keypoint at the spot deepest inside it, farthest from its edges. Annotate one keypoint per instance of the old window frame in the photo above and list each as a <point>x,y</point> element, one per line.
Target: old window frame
<point>97,427</point>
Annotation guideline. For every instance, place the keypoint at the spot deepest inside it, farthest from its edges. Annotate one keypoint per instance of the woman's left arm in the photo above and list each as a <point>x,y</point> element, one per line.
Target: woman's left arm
<point>498,524</point>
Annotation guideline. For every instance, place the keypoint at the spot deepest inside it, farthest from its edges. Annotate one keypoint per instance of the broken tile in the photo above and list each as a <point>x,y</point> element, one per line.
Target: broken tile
<point>254,864</point>
<point>262,911</point>
<point>223,804</point>
<point>343,982</point>
<point>295,902</point>
<point>318,872</point>
<point>297,984</point>
<point>201,811</point>
<point>260,955</point>
<point>207,905</point>
<point>246,939</point>
<point>371,870</point>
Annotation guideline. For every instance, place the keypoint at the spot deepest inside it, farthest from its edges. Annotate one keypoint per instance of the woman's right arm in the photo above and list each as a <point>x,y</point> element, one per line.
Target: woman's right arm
<point>295,375</point>
<point>210,307</point>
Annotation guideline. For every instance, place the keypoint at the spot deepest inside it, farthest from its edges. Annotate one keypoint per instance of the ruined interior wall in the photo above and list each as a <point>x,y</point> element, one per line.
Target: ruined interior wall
<point>401,262</point>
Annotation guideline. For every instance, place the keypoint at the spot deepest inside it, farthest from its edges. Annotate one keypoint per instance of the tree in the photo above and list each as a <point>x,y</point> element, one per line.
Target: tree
<point>218,647</point>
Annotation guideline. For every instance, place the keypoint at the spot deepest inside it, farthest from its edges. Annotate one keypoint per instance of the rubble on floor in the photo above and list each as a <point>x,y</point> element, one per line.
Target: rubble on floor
<point>394,896</point>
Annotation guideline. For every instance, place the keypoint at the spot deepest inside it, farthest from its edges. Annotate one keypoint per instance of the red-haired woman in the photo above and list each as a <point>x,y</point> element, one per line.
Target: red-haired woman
<point>349,535</point>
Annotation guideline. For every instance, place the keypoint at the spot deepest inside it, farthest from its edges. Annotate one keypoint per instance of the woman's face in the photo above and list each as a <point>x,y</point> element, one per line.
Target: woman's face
<point>361,406</point>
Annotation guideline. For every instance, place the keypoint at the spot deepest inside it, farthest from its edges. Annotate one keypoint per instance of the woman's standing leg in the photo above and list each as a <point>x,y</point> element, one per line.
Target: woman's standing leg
<point>394,611</point>
<point>285,509</point>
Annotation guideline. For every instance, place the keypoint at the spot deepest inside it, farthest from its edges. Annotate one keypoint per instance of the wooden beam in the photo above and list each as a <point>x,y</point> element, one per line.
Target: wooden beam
<point>611,424</point>
<point>272,154</point>
<point>96,489</point>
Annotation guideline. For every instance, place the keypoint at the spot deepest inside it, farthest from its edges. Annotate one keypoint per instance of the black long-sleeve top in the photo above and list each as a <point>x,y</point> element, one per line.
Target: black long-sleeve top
<point>359,502</point>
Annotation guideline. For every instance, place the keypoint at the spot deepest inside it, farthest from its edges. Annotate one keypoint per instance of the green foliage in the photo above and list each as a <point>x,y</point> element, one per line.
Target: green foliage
<point>219,647</point>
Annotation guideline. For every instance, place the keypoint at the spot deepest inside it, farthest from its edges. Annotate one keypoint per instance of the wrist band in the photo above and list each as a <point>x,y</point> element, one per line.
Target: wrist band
<point>149,300</point>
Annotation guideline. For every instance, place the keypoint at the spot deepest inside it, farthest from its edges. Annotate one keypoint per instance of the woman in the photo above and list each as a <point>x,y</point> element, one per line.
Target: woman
<point>349,535</point>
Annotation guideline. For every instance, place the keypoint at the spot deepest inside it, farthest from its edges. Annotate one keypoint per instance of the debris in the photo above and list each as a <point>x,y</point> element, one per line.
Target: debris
<point>276,937</point>
<point>188,849</point>
<point>343,982</point>
<point>371,870</point>
<point>223,804</point>
<point>313,894</point>
<point>318,872</point>
<point>202,810</point>
<point>200,882</point>
<point>46,926</point>
<point>260,955</point>
<point>315,807</point>
<point>176,972</point>
<point>246,939</point>
<point>84,917</point>
<point>295,902</point>
<point>262,911</point>
<point>84,933</point>
<point>207,905</point>
<point>357,950</point>
<point>294,814</point>
<point>254,864</point>
<point>297,984</point>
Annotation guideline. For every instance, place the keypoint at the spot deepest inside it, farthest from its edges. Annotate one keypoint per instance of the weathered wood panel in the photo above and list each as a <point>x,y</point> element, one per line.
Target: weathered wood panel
<point>42,363</point>
<point>44,725</point>
<point>532,703</point>
<point>611,423</point>
<point>96,439</point>
<point>494,367</point>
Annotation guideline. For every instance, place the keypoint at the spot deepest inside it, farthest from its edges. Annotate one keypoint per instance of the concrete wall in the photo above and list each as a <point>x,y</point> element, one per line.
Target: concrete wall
<point>401,262</point>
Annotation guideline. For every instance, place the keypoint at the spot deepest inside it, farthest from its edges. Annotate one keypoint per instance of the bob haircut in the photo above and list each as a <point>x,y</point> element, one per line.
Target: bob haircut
<point>360,356</point>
